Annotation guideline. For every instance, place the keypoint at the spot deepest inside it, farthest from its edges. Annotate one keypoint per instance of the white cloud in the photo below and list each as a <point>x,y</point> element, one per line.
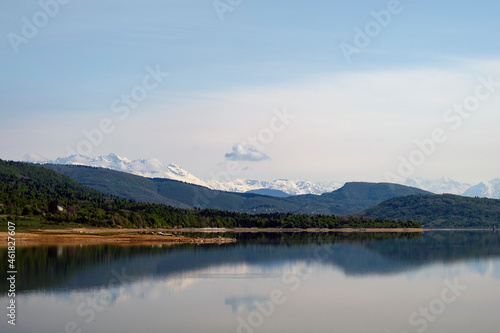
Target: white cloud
<point>243,153</point>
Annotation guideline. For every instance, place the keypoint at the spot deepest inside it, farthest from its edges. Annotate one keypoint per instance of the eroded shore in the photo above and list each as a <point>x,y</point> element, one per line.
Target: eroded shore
<point>84,236</point>
<point>94,236</point>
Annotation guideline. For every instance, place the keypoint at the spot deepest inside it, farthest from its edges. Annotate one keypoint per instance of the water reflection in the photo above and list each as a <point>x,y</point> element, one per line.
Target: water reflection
<point>83,267</point>
<point>264,283</point>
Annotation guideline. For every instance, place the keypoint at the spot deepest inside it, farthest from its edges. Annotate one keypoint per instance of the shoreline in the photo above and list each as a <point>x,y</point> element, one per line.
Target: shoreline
<point>98,236</point>
<point>164,236</point>
<point>287,230</point>
<point>160,236</point>
<point>170,236</point>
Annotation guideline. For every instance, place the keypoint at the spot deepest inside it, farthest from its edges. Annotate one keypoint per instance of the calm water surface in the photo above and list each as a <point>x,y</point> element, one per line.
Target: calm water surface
<point>435,282</point>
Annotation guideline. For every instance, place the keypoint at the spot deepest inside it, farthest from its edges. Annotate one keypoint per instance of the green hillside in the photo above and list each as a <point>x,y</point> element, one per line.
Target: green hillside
<point>351,198</point>
<point>171,192</point>
<point>29,190</point>
<point>34,192</point>
<point>116,183</point>
<point>440,211</point>
<point>203,197</point>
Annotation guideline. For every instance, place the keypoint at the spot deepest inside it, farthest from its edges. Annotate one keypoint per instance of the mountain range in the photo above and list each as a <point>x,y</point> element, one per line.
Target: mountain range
<point>349,199</point>
<point>439,185</point>
<point>489,189</point>
<point>40,196</point>
<point>486,189</point>
<point>39,190</point>
<point>153,168</point>
<point>150,168</point>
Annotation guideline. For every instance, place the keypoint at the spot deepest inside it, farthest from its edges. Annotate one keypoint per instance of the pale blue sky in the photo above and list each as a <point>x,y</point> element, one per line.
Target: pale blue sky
<point>353,121</point>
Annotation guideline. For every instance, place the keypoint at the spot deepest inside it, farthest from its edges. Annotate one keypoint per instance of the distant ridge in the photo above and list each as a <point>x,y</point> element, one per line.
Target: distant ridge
<point>269,192</point>
<point>120,184</point>
<point>291,187</point>
<point>170,192</point>
<point>32,190</point>
<point>489,189</point>
<point>444,185</point>
<point>153,168</point>
<point>438,185</point>
<point>349,199</point>
<point>354,196</point>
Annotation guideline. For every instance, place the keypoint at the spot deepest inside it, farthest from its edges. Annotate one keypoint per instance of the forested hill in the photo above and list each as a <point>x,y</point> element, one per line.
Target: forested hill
<point>349,199</point>
<point>26,189</point>
<point>171,192</point>
<point>32,191</point>
<point>440,211</point>
<point>352,197</point>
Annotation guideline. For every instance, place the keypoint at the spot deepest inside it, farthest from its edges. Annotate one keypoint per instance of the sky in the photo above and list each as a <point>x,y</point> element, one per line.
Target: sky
<point>265,89</point>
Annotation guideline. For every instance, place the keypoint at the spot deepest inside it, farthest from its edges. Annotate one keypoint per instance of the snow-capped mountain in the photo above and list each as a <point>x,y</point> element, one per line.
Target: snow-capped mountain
<point>151,168</point>
<point>489,189</point>
<point>288,186</point>
<point>439,185</point>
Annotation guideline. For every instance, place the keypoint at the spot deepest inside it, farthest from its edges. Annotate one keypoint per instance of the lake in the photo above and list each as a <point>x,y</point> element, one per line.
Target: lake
<point>438,281</point>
